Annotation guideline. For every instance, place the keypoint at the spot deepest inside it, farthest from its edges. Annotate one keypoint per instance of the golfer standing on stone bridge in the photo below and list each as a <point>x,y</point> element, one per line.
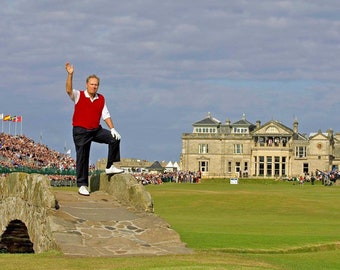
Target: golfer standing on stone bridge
<point>88,109</point>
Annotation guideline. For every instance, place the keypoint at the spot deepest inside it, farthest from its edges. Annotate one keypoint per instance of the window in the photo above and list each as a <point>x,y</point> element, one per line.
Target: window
<point>276,166</point>
<point>237,167</point>
<point>261,141</point>
<point>300,151</point>
<point>240,130</point>
<point>238,148</point>
<point>205,130</point>
<point>255,165</point>
<point>229,166</point>
<point>270,141</point>
<point>283,166</point>
<point>305,167</point>
<point>261,165</point>
<point>203,148</point>
<point>203,166</point>
<point>269,165</point>
<point>245,169</point>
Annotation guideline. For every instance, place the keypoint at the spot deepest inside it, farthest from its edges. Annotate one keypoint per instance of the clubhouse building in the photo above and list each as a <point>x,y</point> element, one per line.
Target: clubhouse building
<point>244,149</point>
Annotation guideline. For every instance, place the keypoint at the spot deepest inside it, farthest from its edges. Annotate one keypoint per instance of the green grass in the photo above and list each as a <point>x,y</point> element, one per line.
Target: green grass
<point>250,216</point>
<point>253,225</point>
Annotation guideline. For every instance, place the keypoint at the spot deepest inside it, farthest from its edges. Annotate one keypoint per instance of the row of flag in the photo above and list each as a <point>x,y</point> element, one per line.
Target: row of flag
<point>8,117</point>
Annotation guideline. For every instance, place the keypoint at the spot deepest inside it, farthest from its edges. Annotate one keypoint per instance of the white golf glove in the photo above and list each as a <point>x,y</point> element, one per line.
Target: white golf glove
<point>115,134</point>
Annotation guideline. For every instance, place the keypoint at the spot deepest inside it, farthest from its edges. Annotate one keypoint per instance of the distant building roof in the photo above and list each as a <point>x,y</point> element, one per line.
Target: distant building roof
<point>156,166</point>
<point>244,123</point>
<point>208,121</point>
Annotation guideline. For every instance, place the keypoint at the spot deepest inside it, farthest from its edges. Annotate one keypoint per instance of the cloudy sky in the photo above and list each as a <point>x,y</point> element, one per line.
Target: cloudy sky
<point>165,64</point>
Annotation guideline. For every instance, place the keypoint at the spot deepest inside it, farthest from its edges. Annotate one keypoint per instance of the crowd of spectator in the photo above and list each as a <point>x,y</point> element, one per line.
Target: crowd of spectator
<point>23,152</point>
<point>326,178</point>
<point>147,178</point>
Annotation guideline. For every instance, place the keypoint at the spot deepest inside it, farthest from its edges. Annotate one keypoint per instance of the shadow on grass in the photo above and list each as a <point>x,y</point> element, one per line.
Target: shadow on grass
<point>292,250</point>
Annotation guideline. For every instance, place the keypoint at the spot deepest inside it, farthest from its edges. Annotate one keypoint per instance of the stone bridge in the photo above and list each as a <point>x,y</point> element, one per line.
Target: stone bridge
<point>116,219</point>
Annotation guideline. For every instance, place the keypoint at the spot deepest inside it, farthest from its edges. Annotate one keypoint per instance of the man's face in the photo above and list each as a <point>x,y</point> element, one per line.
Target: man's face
<point>92,86</point>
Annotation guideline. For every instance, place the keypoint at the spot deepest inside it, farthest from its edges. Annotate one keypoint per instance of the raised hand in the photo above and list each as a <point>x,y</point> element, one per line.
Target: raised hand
<point>69,68</point>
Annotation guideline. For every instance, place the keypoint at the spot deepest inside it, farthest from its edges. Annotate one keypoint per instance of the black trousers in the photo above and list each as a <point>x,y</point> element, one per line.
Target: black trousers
<point>82,139</point>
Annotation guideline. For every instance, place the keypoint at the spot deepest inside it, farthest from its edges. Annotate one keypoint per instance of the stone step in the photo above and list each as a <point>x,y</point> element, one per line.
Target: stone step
<point>98,225</point>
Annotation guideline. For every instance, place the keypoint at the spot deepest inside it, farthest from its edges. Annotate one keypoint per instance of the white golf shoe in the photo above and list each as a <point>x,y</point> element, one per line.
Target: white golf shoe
<point>83,191</point>
<point>113,170</point>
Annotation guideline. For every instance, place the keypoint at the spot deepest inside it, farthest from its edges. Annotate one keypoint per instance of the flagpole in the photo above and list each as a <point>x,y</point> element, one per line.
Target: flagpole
<point>2,124</point>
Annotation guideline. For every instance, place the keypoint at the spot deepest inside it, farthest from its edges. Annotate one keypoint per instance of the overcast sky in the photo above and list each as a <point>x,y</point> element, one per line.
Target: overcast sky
<point>165,64</point>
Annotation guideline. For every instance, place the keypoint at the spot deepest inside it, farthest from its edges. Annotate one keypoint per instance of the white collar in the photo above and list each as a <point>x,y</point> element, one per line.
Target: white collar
<point>88,96</point>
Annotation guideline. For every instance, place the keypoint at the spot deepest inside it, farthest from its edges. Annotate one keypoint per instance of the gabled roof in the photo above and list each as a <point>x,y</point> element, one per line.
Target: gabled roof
<point>281,128</point>
<point>156,166</point>
<point>208,121</point>
<point>319,134</point>
<point>243,123</point>
<point>274,127</point>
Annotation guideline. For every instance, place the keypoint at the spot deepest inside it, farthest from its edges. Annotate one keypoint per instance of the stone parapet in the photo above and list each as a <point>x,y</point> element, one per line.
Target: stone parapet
<point>125,188</point>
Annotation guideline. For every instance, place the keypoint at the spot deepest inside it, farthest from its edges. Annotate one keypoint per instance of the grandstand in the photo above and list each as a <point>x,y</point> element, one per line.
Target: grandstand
<point>22,154</point>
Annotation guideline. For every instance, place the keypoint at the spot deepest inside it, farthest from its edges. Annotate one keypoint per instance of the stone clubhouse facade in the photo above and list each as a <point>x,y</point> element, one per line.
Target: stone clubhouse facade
<point>244,149</point>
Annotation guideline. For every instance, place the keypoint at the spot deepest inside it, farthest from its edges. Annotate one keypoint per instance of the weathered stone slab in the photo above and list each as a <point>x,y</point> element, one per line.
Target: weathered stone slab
<point>113,231</point>
<point>125,188</point>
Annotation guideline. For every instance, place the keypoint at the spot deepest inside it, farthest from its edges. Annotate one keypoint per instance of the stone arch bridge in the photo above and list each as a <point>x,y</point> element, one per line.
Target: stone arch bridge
<point>116,219</point>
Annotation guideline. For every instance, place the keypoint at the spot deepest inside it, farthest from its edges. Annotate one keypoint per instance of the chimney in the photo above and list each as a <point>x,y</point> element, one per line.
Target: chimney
<point>258,123</point>
<point>330,133</point>
<point>296,126</point>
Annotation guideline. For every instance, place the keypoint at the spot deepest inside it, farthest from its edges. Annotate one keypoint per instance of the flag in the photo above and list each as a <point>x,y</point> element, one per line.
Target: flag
<point>1,116</point>
<point>17,119</point>
<point>7,118</point>
<point>13,118</point>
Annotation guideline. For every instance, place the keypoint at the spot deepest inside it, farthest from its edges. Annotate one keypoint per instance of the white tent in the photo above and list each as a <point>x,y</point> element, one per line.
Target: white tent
<point>172,167</point>
<point>169,165</point>
<point>176,166</point>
